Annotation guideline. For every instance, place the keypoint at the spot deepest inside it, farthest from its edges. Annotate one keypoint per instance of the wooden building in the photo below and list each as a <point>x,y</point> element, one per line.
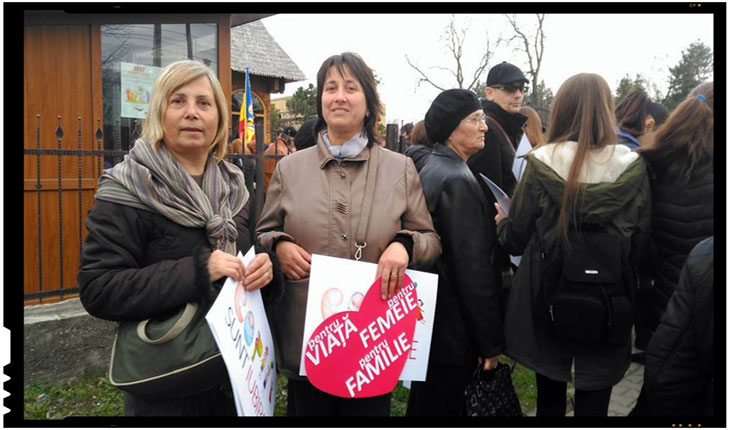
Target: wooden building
<point>86,80</point>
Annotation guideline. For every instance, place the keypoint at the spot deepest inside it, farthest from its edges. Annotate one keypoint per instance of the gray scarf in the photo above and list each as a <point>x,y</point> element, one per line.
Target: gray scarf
<point>348,149</point>
<point>153,180</point>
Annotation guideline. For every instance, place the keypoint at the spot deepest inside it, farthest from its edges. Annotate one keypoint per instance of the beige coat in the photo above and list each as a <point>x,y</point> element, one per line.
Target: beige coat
<point>315,202</point>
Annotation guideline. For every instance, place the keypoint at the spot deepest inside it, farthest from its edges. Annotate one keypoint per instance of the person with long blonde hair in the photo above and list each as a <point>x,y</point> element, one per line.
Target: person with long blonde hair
<point>579,179</point>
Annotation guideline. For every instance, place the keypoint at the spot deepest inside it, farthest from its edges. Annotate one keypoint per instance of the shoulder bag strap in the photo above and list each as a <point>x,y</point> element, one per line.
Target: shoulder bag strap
<point>504,133</point>
<point>185,318</point>
<point>367,201</point>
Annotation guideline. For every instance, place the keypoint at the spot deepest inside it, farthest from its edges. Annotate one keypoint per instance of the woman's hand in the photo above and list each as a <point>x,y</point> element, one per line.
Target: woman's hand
<point>489,363</point>
<point>391,268</point>
<point>294,260</point>
<point>222,264</point>
<point>500,214</point>
<point>259,273</point>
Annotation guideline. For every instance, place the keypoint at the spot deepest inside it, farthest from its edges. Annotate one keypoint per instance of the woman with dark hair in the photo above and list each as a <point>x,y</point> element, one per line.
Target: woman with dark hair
<point>420,148</point>
<point>581,178</point>
<point>681,174</point>
<point>316,203</point>
<point>167,224</point>
<point>468,320</point>
<point>638,117</point>
<point>682,187</point>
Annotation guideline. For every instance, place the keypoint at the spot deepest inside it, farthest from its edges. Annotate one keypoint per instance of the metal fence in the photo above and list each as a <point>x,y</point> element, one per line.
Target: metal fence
<point>101,158</point>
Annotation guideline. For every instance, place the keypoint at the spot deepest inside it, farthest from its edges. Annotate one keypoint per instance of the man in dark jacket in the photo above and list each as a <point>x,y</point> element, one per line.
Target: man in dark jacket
<point>679,364</point>
<point>506,87</point>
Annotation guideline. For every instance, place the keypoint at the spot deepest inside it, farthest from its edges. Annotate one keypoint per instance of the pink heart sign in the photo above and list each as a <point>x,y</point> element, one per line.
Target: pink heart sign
<point>355,354</point>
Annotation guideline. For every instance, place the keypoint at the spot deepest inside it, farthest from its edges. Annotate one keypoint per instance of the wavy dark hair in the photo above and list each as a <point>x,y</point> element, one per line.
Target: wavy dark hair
<point>354,65</point>
<point>631,112</point>
<point>683,146</point>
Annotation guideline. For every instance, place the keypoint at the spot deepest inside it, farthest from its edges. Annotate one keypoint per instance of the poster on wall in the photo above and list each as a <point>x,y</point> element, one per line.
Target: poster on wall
<point>376,336</point>
<point>137,81</point>
<point>238,322</point>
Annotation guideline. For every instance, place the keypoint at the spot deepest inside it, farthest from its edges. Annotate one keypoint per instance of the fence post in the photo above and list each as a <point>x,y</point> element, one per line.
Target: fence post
<point>391,137</point>
<point>80,195</point>
<point>99,135</point>
<point>59,137</point>
<point>38,201</point>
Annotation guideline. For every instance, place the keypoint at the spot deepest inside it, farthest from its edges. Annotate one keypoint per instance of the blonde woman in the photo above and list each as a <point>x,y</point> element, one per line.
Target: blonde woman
<point>168,222</point>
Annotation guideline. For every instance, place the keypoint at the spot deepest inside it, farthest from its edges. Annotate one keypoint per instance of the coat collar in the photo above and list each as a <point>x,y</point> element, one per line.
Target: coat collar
<point>445,151</point>
<point>325,156</point>
<point>511,122</point>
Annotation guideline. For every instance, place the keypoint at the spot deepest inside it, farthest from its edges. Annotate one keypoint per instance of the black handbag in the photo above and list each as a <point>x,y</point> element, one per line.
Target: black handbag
<point>491,394</point>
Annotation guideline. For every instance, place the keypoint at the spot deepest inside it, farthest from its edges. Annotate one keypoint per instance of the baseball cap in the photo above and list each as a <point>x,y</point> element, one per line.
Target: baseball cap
<point>505,73</point>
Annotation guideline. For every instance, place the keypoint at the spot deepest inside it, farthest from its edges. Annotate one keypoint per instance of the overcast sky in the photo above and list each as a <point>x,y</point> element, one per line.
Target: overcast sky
<point>609,44</point>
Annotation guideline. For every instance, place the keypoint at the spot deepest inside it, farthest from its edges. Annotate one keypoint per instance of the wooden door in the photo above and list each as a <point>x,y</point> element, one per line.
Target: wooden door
<point>62,77</point>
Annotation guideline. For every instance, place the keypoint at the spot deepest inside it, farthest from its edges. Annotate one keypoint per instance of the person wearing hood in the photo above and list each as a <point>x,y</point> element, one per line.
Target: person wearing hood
<point>505,91</point>
<point>580,175</point>
<point>468,320</point>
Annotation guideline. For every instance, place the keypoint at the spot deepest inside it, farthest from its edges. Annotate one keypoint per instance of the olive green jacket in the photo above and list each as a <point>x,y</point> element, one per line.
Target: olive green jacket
<point>617,195</point>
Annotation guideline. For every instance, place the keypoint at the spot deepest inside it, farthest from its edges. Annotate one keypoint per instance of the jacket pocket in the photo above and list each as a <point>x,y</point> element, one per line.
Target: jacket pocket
<point>287,323</point>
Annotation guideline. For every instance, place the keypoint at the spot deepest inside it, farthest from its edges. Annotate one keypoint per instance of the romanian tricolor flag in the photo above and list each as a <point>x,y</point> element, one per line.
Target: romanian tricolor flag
<point>246,130</point>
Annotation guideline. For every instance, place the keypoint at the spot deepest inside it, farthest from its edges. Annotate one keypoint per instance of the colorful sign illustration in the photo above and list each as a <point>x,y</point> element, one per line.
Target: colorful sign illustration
<point>238,322</point>
<point>137,81</point>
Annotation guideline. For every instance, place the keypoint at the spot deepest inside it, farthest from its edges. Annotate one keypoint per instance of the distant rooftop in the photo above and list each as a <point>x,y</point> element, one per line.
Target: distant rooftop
<point>252,46</point>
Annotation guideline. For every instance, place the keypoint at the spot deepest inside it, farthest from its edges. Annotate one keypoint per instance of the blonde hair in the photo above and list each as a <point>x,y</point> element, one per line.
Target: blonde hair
<point>167,82</point>
<point>237,146</point>
<point>533,127</point>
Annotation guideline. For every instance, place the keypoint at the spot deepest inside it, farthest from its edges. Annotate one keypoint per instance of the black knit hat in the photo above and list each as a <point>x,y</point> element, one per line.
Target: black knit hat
<point>447,111</point>
<point>505,73</point>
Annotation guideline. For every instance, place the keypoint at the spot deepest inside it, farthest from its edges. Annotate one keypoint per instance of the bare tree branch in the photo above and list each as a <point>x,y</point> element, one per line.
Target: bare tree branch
<point>455,38</point>
<point>424,78</point>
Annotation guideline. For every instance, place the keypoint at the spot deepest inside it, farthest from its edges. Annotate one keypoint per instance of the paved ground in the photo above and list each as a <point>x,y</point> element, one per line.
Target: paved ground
<point>623,395</point>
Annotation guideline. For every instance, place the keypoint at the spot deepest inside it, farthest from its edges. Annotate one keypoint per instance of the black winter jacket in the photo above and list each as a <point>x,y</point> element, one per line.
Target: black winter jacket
<point>495,159</point>
<point>468,320</point>
<point>682,216</point>
<point>138,264</point>
<point>679,362</point>
<point>419,154</point>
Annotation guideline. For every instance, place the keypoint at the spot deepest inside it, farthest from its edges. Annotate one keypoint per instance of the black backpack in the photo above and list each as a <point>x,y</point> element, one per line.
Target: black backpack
<point>585,296</point>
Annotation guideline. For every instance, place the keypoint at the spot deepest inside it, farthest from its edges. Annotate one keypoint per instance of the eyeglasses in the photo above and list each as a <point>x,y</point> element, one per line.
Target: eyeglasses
<point>512,88</point>
<point>477,120</point>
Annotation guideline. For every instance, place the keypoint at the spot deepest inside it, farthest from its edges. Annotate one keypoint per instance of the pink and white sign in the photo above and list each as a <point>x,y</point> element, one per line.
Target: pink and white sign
<point>362,353</point>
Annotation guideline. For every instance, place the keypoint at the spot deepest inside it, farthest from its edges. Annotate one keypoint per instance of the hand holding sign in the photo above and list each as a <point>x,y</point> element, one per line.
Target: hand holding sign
<point>362,354</point>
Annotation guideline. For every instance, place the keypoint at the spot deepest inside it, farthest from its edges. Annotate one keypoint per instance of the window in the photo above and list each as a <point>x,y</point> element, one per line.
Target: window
<point>131,57</point>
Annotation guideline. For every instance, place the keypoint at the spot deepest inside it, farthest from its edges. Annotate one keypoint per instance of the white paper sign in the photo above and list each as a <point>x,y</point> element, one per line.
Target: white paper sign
<point>137,81</point>
<point>241,330</point>
<point>338,284</point>
<point>519,164</point>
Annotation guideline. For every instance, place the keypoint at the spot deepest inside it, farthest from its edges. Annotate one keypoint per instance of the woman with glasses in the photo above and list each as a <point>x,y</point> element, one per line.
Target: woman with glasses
<point>468,321</point>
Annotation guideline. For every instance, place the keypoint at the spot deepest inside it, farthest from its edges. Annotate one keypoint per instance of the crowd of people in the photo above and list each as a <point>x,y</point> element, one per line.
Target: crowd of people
<point>612,218</point>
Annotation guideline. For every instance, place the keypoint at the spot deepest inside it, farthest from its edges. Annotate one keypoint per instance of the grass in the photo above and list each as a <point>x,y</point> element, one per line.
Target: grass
<point>92,395</point>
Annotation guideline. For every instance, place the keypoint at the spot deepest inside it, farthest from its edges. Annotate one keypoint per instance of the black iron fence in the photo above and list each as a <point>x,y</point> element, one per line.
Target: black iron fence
<point>54,273</point>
